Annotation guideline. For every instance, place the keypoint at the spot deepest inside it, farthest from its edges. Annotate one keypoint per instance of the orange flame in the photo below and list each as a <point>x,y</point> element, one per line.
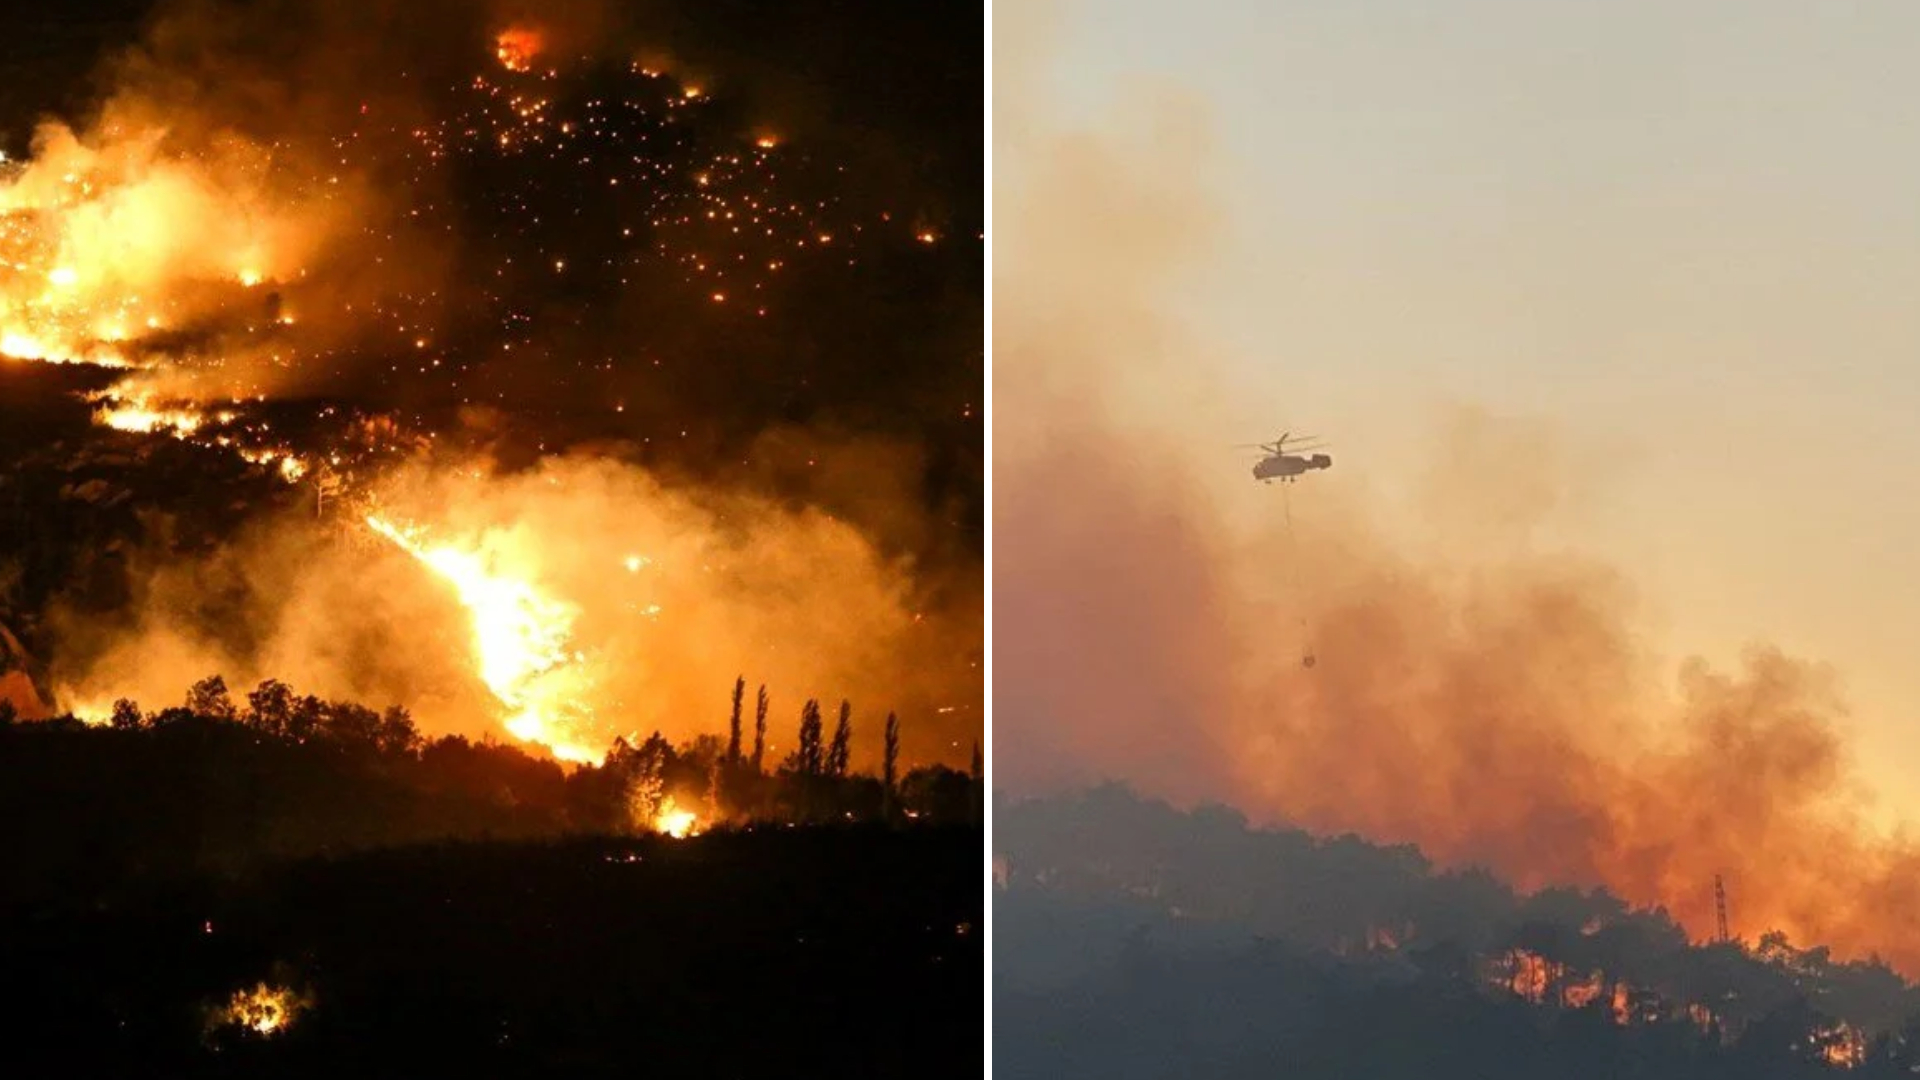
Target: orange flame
<point>517,47</point>
<point>522,638</point>
<point>673,821</point>
<point>263,1009</point>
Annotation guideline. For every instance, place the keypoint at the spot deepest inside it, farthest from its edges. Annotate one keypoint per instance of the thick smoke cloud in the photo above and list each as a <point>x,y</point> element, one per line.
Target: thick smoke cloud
<point>1474,691</point>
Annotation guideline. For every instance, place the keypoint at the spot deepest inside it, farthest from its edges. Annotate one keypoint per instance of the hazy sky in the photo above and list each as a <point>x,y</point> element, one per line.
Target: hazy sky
<point>1685,236</point>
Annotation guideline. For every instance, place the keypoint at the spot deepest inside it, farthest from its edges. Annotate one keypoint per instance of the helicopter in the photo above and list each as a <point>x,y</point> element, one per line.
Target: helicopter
<point>1284,466</point>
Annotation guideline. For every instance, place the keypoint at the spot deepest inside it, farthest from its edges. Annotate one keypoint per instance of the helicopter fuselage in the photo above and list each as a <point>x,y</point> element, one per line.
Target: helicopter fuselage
<point>1288,466</point>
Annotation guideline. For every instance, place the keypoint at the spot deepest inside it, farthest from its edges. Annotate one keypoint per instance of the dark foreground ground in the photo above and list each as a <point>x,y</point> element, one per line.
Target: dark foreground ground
<point>796,952</point>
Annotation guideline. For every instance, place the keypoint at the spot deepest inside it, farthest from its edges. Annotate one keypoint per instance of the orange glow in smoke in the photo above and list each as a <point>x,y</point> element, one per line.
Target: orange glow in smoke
<point>517,47</point>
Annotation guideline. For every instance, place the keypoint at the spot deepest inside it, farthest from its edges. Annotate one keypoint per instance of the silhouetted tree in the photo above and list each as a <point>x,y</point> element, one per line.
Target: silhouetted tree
<point>353,724</point>
<point>733,722</point>
<point>841,752</point>
<point>397,734</point>
<point>937,792</point>
<point>8,714</point>
<point>760,728</point>
<point>806,757</point>
<point>890,762</point>
<point>889,767</point>
<point>270,707</point>
<point>306,717</point>
<point>704,749</point>
<point>126,715</point>
<point>978,767</point>
<point>209,698</point>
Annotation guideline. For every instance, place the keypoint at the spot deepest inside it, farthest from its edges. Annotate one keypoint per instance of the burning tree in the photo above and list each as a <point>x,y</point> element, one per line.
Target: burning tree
<point>642,774</point>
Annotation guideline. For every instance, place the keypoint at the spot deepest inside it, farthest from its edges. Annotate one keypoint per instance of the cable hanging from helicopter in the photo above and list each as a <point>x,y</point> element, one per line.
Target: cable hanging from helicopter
<point>1278,464</point>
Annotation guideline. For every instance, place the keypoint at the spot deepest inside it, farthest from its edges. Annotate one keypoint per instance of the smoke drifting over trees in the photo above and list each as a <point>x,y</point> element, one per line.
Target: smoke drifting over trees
<point>1474,692</point>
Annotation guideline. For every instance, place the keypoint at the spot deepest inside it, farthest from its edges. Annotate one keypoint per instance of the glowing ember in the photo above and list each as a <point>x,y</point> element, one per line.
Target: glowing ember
<point>520,635</point>
<point>1842,1046</point>
<point>263,1010</point>
<point>290,467</point>
<point>516,49</point>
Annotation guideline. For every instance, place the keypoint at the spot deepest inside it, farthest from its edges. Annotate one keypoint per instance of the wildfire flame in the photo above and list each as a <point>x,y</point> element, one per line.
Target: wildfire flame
<point>263,1010</point>
<point>520,635</point>
<point>517,47</point>
<point>674,821</point>
<point>140,415</point>
<point>121,231</point>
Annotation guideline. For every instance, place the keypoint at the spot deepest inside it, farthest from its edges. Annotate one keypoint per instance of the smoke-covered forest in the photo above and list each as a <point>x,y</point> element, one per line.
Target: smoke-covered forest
<point>1135,939</point>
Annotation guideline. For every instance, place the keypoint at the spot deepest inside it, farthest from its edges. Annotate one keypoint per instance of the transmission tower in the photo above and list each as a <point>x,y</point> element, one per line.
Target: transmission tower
<point>1720,907</point>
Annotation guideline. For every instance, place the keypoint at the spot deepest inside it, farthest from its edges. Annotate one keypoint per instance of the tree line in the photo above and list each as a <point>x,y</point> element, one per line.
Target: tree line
<point>222,782</point>
<point>1118,915</point>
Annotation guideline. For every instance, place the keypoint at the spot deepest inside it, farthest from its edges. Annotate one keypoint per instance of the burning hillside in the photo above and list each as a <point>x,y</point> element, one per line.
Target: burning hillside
<point>536,357</point>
